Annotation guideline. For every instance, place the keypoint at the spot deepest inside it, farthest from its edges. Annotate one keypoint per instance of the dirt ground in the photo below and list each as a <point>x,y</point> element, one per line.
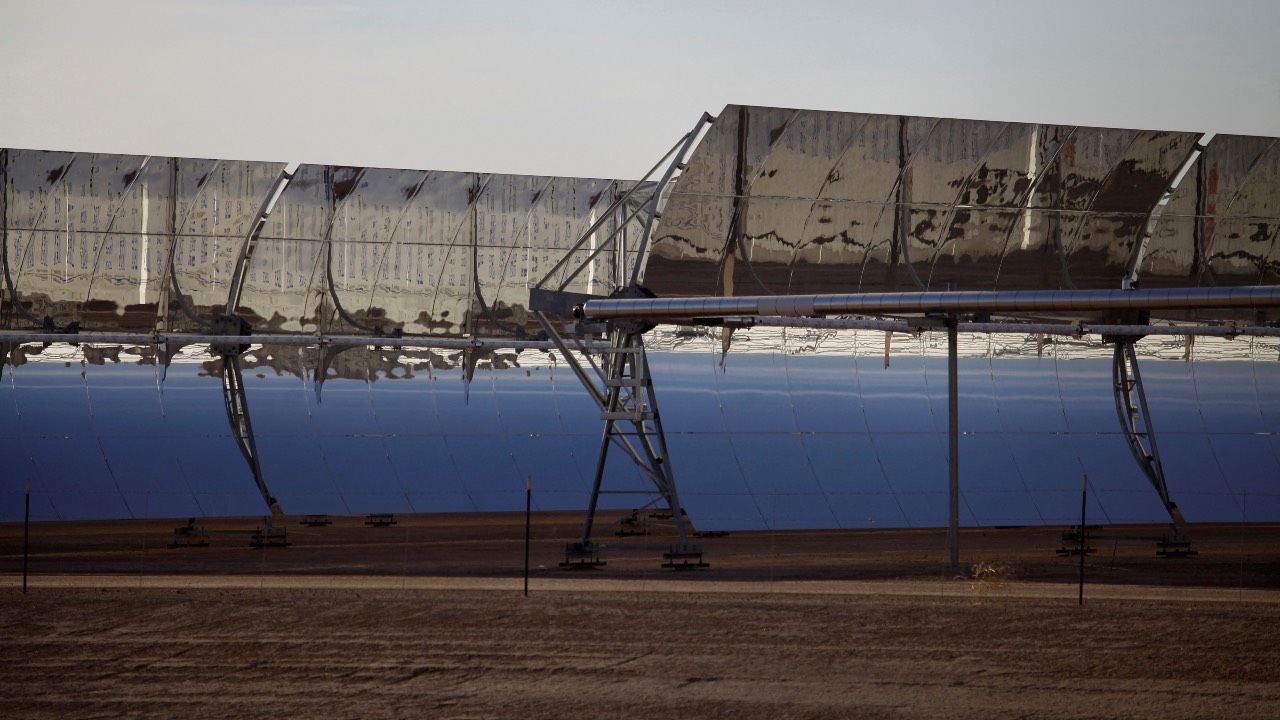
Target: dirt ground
<point>427,618</point>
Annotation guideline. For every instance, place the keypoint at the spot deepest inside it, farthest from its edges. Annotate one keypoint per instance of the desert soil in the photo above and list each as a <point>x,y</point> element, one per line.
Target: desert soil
<point>428,618</point>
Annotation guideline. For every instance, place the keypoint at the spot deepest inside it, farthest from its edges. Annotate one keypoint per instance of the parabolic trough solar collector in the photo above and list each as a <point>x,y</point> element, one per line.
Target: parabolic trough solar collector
<point>766,427</point>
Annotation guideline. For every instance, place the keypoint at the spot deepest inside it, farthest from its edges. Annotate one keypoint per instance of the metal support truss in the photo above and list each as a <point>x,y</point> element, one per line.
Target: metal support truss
<point>649,209</point>
<point>241,427</point>
<point>1135,421</point>
<point>633,424</point>
<point>231,348</point>
<point>1132,304</point>
<point>617,374</point>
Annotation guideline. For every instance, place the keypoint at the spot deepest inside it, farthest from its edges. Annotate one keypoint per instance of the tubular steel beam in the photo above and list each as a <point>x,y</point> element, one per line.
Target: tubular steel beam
<point>1092,329</point>
<point>916,326</point>
<point>904,326</point>
<point>1034,301</point>
<point>317,340</point>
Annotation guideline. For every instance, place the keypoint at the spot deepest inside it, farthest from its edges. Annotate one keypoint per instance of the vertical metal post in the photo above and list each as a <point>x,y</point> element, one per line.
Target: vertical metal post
<point>528,509</point>
<point>599,477</point>
<point>953,434</point>
<point>1084,493</point>
<point>26,536</point>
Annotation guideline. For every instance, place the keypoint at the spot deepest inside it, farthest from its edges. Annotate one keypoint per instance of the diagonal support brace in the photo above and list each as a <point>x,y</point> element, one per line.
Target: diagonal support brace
<point>1135,421</point>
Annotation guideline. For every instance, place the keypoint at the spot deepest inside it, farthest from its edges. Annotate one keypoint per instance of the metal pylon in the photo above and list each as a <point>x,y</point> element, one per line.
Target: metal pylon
<point>633,424</point>
<point>616,373</point>
<point>1135,421</point>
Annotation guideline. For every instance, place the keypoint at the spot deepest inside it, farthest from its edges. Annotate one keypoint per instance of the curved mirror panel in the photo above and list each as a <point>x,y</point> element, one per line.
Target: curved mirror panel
<point>777,200</point>
<point>765,428</point>
<point>1027,395</point>
<point>131,437</point>
<point>753,394</point>
<point>1227,396</point>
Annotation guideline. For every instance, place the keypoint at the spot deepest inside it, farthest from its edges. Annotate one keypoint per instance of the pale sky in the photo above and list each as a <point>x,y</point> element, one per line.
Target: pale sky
<point>601,89</point>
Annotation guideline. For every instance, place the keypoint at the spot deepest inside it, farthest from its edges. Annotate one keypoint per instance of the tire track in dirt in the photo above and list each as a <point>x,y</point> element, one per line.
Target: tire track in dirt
<point>467,653</point>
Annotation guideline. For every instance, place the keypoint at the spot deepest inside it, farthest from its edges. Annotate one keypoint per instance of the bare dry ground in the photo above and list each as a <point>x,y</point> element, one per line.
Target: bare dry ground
<point>427,619</point>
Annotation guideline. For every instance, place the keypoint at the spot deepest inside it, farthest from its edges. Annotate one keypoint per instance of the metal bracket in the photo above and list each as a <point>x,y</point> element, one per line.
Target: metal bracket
<point>241,428</point>
<point>229,326</point>
<point>1135,421</point>
<point>237,403</point>
<point>582,556</point>
<point>556,302</point>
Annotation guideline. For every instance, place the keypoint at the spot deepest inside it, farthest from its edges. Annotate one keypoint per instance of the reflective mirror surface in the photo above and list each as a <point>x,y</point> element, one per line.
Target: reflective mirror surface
<point>783,201</point>
<point>130,242</point>
<point>765,428</point>
<point>814,432</point>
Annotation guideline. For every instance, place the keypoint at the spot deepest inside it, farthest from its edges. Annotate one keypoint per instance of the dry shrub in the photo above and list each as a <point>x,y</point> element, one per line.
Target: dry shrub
<point>988,579</point>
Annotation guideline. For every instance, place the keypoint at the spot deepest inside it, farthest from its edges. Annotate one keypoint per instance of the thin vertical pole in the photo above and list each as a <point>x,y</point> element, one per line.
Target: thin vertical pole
<point>1244,515</point>
<point>953,433</point>
<point>528,509</point>
<point>26,536</point>
<point>1084,494</point>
